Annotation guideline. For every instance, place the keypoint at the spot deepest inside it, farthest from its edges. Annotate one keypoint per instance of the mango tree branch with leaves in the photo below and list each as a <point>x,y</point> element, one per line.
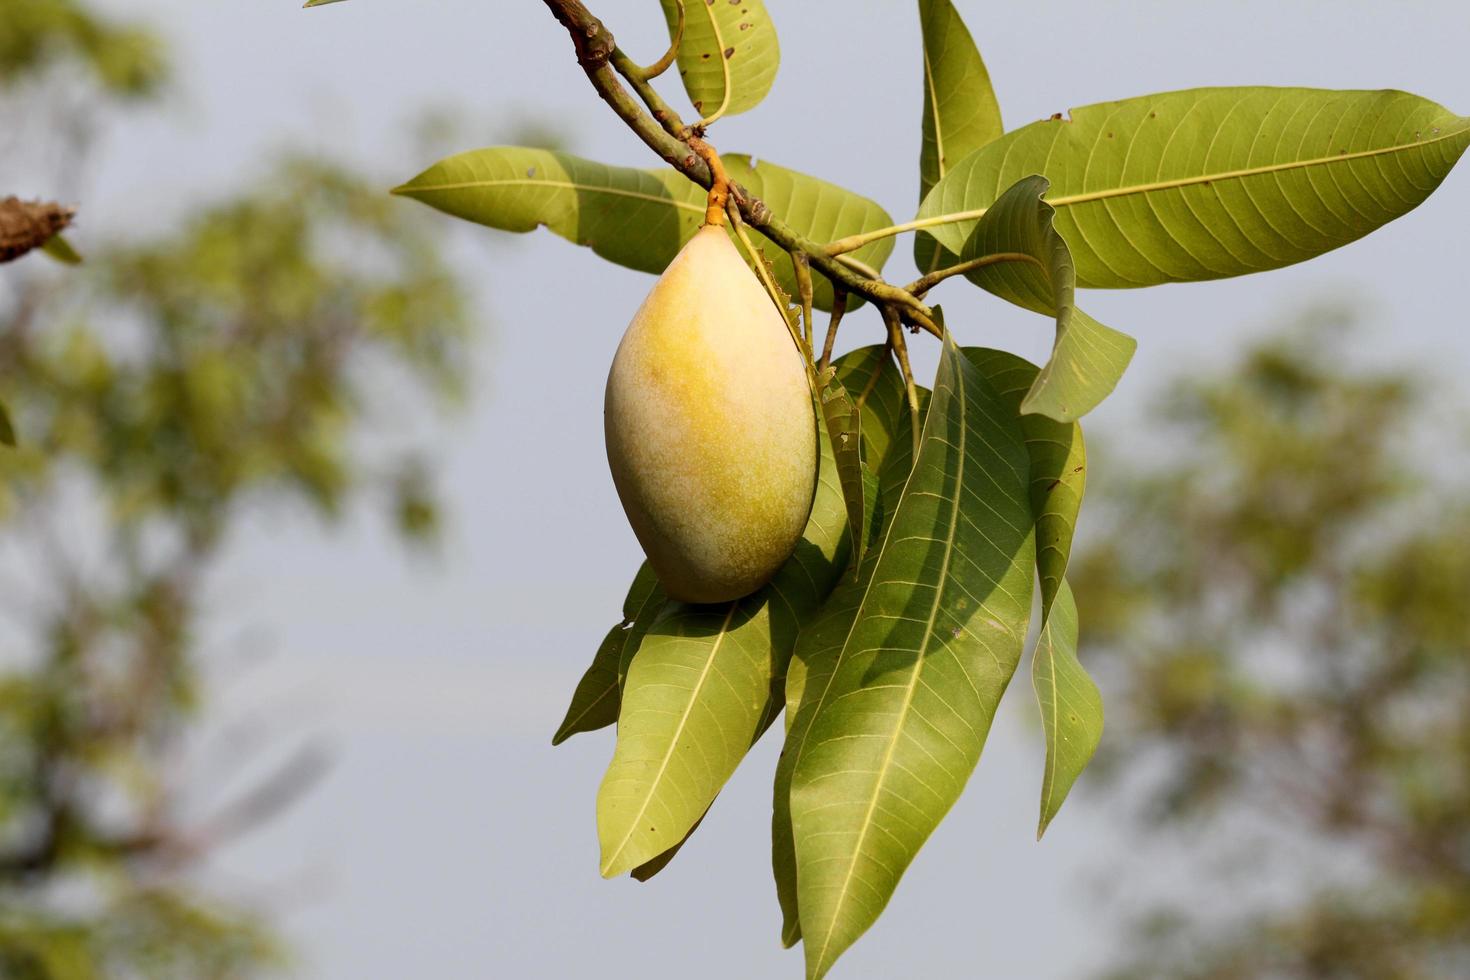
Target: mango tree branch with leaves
<point>826,536</point>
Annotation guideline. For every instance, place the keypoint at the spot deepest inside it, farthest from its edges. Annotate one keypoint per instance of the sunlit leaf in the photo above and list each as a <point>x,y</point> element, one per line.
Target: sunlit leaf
<point>1216,182</point>
<point>729,55</point>
<point>1088,358</point>
<point>893,722</point>
<point>961,113</point>
<point>638,218</point>
<point>704,685</point>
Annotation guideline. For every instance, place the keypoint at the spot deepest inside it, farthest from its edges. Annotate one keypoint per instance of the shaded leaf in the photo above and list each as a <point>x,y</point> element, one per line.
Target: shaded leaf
<point>596,699</point>
<point>728,56</point>
<point>1058,459</point>
<point>1071,705</point>
<point>844,428</point>
<point>894,716</point>
<point>1088,358</point>
<point>318,3</point>
<point>636,218</point>
<point>7,429</point>
<point>961,113</point>
<point>1214,182</point>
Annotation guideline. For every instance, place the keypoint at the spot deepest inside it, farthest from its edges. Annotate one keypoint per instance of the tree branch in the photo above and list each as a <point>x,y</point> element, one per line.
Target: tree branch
<point>26,225</point>
<point>597,51</point>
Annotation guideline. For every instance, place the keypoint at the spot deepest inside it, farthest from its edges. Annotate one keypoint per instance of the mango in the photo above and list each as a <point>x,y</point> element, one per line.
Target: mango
<point>710,426</point>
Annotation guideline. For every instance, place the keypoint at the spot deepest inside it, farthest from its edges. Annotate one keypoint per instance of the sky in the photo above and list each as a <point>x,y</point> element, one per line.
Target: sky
<point>449,839</point>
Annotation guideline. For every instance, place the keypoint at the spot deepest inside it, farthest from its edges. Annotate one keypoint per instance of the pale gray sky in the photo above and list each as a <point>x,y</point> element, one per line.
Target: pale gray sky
<point>450,840</point>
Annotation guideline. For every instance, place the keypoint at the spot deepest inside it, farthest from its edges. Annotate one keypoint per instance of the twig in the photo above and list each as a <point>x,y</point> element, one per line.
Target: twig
<point>804,292</point>
<point>923,284</point>
<point>719,188</point>
<point>662,65</point>
<point>595,48</point>
<point>901,350</point>
<point>26,225</point>
<point>839,307</point>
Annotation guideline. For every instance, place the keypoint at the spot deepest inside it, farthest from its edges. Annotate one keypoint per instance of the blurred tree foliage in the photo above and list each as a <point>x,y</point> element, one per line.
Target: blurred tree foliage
<point>1282,615</point>
<point>161,391</point>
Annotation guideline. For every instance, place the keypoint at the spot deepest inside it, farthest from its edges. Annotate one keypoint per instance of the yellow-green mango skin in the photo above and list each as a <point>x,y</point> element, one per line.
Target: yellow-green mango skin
<point>711,431</point>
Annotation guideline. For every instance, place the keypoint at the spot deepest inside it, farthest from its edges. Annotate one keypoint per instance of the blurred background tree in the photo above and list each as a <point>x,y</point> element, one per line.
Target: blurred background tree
<point>253,357</point>
<point>1281,614</point>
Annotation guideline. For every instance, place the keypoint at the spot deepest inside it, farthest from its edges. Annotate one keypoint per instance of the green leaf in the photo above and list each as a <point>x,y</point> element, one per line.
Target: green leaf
<point>888,458</point>
<point>1216,182</point>
<point>7,429</point>
<point>844,428</point>
<point>895,720</point>
<point>1058,466</point>
<point>646,870</point>
<point>596,699</point>
<point>1088,358</point>
<point>729,55</point>
<point>704,685</point>
<point>61,250</point>
<point>318,3</point>
<point>635,218</point>
<point>1071,706</point>
<point>961,113</point>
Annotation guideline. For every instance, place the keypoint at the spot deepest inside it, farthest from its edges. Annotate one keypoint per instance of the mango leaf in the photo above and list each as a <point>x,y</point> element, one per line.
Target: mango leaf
<point>7,428</point>
<point>1215,182</point>
<point>646,870</point>
<point>596,699</point>
<point>1088,358</point>
<point>728,56</point>
<point>1058,466</point>
<point>704,685</point>
<point>888,459</point>
<point>635,218</point>
<point>1071,707</point>
<point>961,113</point>
<point>58,248</point>
<point>891,726</point>
<point>319,3</point>
<point>844,428</point>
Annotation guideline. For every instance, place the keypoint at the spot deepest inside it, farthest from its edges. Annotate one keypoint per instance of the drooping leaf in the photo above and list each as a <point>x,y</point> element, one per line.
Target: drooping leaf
<point>1058,466</point>
<point>892,724</point>
<point>7,429</point>
<point>888,459</point>
<point>705,683</point>
<point>728,56</point>
<point>844,428</point>
<point>318,3</point>
<point>58,248</point>
<point>636,218</point>
<point>961,113</point>
<point>1071,705</point>
<point>1216,182</point>
<point>1088,358</point>
<point>596,699</point>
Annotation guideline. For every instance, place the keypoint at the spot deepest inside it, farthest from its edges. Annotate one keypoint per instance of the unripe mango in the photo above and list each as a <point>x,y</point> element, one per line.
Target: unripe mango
<point>711,431</point>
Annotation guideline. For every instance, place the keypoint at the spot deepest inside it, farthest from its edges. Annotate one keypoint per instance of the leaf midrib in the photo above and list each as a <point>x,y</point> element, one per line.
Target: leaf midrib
<point>411,189</point>
<point>726,74</point>
<point>674,741</point>
<point>908,701</point>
